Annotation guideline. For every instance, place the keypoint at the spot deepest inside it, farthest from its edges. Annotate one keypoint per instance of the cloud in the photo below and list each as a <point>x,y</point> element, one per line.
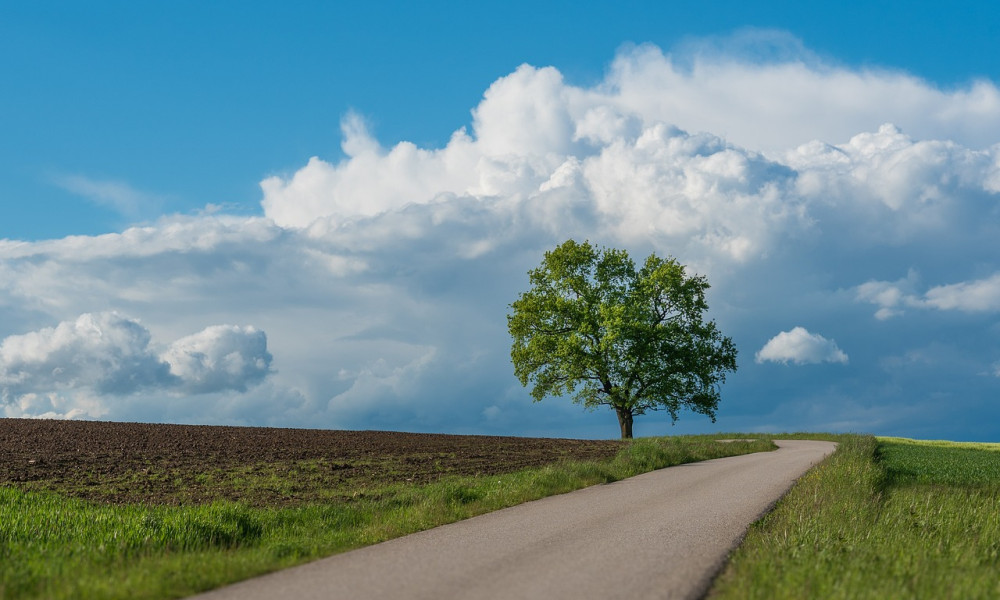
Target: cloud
<point>220,357</point>
<point>980,295</point>
<point>800,347</point>
<point>105,352</point>
<point>615,159</point>
<point>371,181</point>
<point>116,195</point>
<point>890,296</point>
<point>552,157</point>
<point>108,354</point>
<point>81,404</point>
<point>773,94</point>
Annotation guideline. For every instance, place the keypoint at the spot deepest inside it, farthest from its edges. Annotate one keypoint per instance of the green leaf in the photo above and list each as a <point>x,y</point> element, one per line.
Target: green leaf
<point>594,327</point>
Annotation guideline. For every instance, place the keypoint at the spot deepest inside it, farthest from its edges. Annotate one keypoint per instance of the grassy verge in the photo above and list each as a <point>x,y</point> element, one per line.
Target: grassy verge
<point>55,547</point>
<point>881,518</point>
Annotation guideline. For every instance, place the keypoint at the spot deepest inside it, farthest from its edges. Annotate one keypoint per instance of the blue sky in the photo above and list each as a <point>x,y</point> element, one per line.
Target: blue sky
<point>190,103</point>
<point>315,215</point>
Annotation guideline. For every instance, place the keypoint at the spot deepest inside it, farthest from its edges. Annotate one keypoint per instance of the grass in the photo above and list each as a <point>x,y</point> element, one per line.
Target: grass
<point>52,546</point>
<point>881,518</point>
<point>940,463</point>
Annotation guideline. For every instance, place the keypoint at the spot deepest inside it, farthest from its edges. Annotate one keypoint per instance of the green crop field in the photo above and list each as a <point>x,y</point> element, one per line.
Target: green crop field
<point>881,518</point>
<point>941,463</point>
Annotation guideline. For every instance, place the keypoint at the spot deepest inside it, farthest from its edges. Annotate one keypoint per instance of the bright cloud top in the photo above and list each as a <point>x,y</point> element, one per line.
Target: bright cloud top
<point>800,347</point>
<point>612,157</point>
<point>794,97</point>
<point>220,357</point>
<point>110,354</point>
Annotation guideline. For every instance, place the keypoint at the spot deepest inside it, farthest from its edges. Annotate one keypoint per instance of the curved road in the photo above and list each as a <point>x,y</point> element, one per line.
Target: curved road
<point>663,534</point>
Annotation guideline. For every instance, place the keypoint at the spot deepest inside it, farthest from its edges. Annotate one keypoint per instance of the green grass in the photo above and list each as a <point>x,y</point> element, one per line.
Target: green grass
<point>888,518</point>
<point>940,463</point>
<point>52,546</point>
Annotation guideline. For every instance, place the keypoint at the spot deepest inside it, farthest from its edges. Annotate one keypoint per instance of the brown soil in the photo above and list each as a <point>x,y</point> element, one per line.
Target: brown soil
<point>185,464</point>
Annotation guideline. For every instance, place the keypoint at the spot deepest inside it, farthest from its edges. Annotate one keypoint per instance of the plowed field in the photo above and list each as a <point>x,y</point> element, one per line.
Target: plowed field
<point>184,464</point>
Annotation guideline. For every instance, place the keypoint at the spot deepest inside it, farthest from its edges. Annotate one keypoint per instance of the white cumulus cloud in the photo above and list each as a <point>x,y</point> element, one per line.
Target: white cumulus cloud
<point>106,352</point>
<point>220,357</point>
<point>800,347</point>
<point>631,159</point>
<point>109,354</point>
<point>776,100</point>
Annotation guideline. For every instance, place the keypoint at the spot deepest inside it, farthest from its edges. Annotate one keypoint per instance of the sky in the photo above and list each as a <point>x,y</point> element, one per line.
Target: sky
<point>317,214</point>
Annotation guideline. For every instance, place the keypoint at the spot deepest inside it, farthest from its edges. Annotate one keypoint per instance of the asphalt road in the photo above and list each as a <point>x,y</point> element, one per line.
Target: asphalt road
<point>663,534</point>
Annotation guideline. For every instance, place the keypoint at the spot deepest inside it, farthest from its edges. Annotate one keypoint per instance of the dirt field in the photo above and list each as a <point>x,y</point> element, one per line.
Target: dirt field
<point>183,464</point>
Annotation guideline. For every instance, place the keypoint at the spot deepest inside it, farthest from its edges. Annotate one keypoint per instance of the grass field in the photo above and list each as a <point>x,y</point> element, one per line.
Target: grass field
<point>881,518</point>
<point>53,546</point>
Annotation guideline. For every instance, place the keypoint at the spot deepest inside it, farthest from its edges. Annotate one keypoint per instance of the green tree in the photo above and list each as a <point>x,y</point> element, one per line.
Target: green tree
<point>594,326</point>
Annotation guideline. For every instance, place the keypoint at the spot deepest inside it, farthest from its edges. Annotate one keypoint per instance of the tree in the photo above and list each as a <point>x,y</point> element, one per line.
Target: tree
<point>635,340</point>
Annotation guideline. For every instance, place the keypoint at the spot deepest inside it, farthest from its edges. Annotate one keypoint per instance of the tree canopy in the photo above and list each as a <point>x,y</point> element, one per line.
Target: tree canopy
<point>594,326</point>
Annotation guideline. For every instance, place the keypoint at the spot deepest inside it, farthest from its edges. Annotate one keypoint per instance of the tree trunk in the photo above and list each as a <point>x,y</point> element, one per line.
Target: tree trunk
<point>625,421</point>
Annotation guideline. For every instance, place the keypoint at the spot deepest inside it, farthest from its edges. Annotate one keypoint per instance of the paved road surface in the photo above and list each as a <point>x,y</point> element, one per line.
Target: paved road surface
<point>662,534</point>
